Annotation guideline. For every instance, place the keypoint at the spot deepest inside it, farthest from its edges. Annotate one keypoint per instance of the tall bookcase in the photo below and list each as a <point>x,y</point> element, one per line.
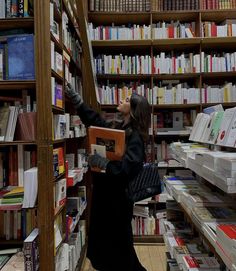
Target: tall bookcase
<point>41,90</point>
<point>105,14</point>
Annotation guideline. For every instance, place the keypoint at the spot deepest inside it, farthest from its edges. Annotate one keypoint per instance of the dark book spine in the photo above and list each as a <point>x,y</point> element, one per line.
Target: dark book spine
<point>28,256</point>
<point>8,8</point>
<point>20,8</point>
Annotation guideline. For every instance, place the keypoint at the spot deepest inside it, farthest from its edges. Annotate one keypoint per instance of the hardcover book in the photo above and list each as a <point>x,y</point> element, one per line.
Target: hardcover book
<point>31,251</point>
<point>112,139</point>
<point>21,57</point>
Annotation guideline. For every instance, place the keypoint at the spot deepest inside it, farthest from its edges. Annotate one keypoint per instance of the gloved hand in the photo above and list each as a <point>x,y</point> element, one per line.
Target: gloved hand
<point>76,99</point>
<point>97,160</point>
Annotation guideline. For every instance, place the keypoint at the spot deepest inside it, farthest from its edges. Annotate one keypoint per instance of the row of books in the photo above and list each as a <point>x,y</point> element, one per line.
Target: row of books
<point>15,124</point>
<point>147,225</point>
<point>187,250</point>
<point>134,32</point>
<point>216,167</point>
<point>119,5</point>
<point>215,128</point>
<point>162,30</point>
<point>16,8</point>
<point>56,60</point>
<point>225,29</point>
<point>211,215</point>
<point>25,196</point>
<point>69,37</point>
<point>178,94</point>
<point>18,224</point>
<point>165,63</point>
<point>69,253</point>
<point>67,126</point>
<point>13,162</point>
<point>17,57</point>
<point>159,5</point>
<point>165,5</point>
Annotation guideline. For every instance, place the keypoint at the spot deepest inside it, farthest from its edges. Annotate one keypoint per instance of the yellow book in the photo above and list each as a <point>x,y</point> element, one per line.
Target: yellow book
<point>14,192</point>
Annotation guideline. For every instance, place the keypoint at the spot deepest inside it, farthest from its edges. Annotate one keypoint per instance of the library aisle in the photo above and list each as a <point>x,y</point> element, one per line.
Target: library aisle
<point>152,256</point>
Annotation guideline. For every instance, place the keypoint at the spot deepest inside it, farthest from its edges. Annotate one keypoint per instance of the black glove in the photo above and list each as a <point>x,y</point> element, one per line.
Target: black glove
<point>76,99</point>
<point>97,160</point>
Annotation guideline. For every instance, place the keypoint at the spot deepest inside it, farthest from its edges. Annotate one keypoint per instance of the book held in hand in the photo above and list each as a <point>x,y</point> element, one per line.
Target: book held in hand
<point>106,141</point>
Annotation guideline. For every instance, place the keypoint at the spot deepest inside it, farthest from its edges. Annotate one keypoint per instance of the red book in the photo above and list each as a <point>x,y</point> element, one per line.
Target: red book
<point>171,31</point>
<point>213,29</point>
<point>229,230</point>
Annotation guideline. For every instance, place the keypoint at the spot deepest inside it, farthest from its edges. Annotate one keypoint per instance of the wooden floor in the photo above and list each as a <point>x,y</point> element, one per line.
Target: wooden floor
<point>152,257</point>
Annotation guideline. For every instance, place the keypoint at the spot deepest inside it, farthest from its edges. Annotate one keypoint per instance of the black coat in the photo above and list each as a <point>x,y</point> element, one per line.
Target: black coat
<point>110,238</point>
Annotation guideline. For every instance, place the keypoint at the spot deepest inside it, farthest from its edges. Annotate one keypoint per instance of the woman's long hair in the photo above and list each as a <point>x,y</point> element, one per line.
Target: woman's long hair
<point>140,114</point>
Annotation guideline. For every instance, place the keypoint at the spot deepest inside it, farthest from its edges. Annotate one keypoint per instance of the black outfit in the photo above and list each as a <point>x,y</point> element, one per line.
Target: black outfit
<point>110,238</point>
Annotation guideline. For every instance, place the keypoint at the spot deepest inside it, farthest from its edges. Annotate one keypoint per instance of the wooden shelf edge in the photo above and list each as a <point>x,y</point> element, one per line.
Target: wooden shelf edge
<point>17,84</point>
<point>148,239</point>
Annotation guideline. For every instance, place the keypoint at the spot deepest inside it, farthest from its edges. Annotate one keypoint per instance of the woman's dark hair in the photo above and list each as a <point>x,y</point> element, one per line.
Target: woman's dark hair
<point>140,114</point>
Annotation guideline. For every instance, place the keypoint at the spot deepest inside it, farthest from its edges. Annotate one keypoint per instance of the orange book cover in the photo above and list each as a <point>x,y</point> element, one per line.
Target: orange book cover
<point>111,140</point>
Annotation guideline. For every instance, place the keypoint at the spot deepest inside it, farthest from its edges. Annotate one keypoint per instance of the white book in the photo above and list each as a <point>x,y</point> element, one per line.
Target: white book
<point>225,124</point>
<point>20,156</point>
<point>2,9</point>
<point>231,134</point>
<point>30,187</point>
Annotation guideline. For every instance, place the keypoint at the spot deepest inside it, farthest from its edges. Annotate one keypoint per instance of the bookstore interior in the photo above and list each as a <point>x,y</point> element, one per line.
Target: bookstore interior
<point>181,56</point>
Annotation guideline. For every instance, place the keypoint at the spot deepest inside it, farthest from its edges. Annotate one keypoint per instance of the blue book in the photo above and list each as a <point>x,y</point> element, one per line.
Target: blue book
<point>21,64</point>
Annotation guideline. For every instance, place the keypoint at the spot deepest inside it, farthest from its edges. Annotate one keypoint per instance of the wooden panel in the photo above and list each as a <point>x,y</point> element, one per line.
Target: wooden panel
<point>175,15</point>
<point>107,18</point>
<point>44,135</point>
<point>12,23</point>
<point>16,85</point>
<point>122,43</point>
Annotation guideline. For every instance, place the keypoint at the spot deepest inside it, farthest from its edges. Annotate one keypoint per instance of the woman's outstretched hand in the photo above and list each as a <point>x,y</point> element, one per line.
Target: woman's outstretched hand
<point>76,99</point>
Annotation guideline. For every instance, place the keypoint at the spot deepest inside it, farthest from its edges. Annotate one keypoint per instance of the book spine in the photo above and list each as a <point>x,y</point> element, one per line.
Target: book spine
<point>28,256</point>
<point>20,8</point>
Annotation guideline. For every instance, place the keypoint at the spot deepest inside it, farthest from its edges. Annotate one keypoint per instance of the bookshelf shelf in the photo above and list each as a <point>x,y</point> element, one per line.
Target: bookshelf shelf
<point>16,85</point>
<point>10,207</point>
<point>182,15</point>
<point>11,242</point>
<point>57,109</point>
<point>218,74</point>
<point>58,46</point>
<point>58,141</point>
<point>124,76</point>
<point>223,104</point>
<point>118,17</point>
<point>217,15</point>
<point>65,50</point>
<point>176,76</point>
<point>12,23</point>
<point>219,41</point>
<point>57,76</point>
<point>174,42</point>
<point>13,143</point>
<point>121,43</point>
<point>166,106</point>
<point>59,209</point>
<point>59,177</point>
<point>148,239</point>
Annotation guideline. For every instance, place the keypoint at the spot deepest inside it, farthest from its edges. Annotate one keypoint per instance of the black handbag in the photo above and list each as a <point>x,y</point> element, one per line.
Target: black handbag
<point>146,184</point>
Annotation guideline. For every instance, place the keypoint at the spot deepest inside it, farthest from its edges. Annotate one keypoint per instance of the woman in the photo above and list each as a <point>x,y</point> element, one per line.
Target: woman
<point>110,238</point>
